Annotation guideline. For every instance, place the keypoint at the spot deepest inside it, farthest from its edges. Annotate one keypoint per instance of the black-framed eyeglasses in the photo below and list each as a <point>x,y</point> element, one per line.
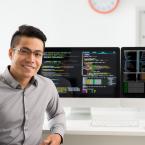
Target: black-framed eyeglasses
<point>26,52</point>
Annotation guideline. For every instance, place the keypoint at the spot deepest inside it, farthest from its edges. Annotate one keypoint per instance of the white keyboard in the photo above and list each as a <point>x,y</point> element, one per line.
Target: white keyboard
<point>114,123</point>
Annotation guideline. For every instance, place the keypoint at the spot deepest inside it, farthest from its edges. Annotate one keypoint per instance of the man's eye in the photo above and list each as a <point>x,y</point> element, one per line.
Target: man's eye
<point>38,54</point>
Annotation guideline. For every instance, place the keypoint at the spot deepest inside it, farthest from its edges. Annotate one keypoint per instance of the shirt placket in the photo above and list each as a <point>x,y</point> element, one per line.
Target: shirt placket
<point>25,126</point>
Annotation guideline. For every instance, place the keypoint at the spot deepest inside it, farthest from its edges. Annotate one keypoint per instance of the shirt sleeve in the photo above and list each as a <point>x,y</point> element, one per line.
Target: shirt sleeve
<point>56,113</point>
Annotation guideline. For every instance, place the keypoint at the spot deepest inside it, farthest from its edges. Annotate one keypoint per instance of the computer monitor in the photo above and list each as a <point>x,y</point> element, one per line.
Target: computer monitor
<point>84,76</point>
<point>133,77</point>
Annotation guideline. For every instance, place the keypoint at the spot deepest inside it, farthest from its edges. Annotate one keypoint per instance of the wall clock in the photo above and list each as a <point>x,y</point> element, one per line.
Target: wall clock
<point>103,6</point>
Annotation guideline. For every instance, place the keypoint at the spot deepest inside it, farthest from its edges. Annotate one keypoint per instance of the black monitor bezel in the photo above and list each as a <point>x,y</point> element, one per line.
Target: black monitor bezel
<point>129,95</point>
<point>116,49</point>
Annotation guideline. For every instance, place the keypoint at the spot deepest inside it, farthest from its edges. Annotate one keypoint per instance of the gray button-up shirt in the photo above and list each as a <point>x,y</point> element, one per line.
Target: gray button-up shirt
<point>22,110</point>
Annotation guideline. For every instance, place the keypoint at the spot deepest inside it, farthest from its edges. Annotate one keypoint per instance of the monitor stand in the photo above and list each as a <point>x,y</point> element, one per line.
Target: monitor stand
<point>79,114</point>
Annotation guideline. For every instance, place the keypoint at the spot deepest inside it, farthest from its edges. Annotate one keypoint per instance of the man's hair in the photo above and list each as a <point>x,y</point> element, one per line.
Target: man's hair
<point>28,31</point>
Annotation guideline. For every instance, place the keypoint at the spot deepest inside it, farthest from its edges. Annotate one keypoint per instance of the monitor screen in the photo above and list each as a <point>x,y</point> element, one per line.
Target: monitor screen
<point>133,72</point>
<point>83,72</point>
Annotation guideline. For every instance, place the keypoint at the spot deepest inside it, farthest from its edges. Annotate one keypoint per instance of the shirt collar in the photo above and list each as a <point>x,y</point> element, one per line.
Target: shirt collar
<point>34,81</point>
<point>10,80</point>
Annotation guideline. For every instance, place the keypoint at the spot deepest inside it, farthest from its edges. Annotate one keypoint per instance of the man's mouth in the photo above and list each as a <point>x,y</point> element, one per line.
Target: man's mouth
<point>28,66</point>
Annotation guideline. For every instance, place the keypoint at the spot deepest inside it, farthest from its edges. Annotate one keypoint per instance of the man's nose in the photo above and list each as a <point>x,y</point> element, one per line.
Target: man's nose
<point>31,56</point>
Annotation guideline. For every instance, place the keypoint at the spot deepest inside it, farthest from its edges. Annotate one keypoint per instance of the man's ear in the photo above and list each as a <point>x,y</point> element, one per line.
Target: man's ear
<point>11,53</point>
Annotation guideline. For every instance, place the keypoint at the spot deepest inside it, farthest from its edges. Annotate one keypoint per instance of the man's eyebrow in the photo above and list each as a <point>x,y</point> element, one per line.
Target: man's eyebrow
<point>37,50</point>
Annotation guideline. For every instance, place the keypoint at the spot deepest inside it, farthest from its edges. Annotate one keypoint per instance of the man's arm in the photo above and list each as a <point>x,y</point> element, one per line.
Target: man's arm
<point>56,116</point>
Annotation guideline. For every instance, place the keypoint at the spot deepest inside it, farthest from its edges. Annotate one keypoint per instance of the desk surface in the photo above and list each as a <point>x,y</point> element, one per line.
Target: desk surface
<point>83,127</point>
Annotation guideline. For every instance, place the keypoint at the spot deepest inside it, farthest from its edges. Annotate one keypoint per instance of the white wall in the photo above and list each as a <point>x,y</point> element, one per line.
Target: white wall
<point>69,23</point>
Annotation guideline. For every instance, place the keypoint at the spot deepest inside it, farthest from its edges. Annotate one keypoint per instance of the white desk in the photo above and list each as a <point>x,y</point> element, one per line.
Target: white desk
<point>83,127</point>
<point>80,132</point>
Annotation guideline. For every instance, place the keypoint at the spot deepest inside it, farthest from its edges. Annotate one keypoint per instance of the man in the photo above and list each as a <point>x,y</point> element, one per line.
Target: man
<point>25,95</point>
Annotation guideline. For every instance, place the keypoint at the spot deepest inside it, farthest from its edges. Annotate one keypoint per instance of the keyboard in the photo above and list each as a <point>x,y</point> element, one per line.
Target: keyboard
<point>114,123</point>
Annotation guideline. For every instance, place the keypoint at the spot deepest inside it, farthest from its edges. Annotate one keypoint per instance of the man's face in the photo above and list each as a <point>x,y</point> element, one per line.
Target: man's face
<point>24,63</point>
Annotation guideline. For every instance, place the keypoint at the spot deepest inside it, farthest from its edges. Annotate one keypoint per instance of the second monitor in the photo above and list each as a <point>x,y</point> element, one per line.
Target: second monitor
<point>133,77</point>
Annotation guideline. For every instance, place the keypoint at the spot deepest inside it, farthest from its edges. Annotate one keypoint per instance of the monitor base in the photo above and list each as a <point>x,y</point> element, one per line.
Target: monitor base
<point>79,114</point>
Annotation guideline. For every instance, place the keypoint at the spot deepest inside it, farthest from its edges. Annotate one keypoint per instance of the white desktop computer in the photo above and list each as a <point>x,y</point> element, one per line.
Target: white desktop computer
<point>133,77</point>
<point>133,80</point>
<point>93,86</point>
<point>85,77</point>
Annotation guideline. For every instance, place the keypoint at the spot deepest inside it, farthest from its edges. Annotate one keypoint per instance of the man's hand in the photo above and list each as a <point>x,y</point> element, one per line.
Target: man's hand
<point>53,139</point>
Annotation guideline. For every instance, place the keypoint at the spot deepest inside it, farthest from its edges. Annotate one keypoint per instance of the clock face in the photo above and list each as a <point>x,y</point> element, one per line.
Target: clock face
<point>103,6</point>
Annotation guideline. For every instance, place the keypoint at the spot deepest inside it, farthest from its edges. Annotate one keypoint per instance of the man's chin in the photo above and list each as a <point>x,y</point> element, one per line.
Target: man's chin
<point>28,76</point>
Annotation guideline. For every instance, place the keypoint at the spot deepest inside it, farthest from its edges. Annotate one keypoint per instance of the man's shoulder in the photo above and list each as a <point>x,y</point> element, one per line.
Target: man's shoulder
<point>2,82</point>
<point>1,78</point>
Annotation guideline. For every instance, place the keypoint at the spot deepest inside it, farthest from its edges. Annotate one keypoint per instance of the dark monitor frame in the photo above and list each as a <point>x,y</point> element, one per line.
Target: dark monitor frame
<point>129,95</point>
<point>116,49</point>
